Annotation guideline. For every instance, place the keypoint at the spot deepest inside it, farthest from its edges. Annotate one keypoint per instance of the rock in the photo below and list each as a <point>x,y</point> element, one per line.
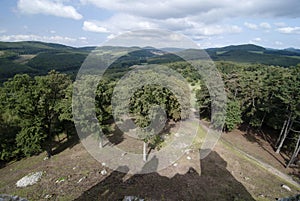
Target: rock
<point>286,187</point>
<point>188,157</point>
<point>191,170</point>
<point>47,196</point>
<point>175,164</point>
<point>11,198</point>
<point>187,151</point>
<point>29,179</point>
<point>132,198</point>
<point>103,172</point>
<point>74,168</point>
<point>103,164</point>
<point>246,178</point>
<point>46,158</point>
<point>80,180</point>
<point>123,154</point>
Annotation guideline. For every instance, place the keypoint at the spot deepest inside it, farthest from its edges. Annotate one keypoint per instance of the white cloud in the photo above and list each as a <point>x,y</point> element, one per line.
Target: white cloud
<point>32,37</point>
<point>210,30</point>
<point>289,30</point>
<point>111,36</point>
<point>250,25</point>
<point>93,27</point>
<point>121,23</point>
<point>278,43</point>
<point>279,24</point>
<point>257,39</point>
<point>118,24</point>
<point>195,18</point>
<point>265,25</point>
<point>211,10</point>
<point>47,7</point>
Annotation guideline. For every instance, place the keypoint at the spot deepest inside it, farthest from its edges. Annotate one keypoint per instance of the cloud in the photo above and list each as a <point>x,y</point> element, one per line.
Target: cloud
<point>265,25</point>
<point>257,39</point>
<point>279,24</point>
<point>93,27</point>
<point>47,7</point>
<point>211,30</point>
<point>2,31</point>
<point>289,30</point>
<point>198,19</point>
<point>212,10</point>
<point>250,25</point>
<point>32,37</point>
<point>121,23</point>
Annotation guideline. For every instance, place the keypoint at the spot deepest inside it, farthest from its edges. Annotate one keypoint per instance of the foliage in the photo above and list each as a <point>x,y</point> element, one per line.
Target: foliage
<point>233,115</point>
<point>29,112</point>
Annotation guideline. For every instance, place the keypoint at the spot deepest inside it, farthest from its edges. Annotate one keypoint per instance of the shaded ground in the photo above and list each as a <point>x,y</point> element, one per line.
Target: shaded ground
<point>215,183</point>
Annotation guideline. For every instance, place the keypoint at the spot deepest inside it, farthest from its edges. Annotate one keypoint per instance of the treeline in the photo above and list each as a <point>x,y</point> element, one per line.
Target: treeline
<point>35,110</point>
<point>261,96</point>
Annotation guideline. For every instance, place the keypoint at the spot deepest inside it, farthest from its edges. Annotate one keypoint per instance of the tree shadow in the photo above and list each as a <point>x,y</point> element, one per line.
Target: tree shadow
<point>253,135</point>
<point>215,183</point>
<point>66,143</point>
<point>114,136</point>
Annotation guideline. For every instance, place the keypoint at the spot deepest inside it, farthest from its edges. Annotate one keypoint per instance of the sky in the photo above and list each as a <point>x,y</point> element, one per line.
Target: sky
<point>269,23</point>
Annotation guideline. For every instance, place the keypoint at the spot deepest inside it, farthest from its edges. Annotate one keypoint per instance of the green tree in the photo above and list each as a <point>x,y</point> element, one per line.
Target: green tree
<point>51,89</point>
<point>233,115</point>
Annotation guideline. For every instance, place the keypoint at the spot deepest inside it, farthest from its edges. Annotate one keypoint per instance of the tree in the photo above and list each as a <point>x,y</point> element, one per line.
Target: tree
<point>296,150</point>
<point>289,96</point>
<point>233,115</point>
<point>21,102</point>
<point>51,89</point>
<point>31,104</point>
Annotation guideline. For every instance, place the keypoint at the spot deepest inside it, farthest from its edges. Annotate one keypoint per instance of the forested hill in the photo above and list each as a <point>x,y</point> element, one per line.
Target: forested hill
<point>37,58</point>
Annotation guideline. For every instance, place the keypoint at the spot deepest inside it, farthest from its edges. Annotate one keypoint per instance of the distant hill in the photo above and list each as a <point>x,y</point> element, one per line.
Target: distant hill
<point>255,54</point>
<point>246,47</point>
<point>37,58</point>
<point>292,50</point>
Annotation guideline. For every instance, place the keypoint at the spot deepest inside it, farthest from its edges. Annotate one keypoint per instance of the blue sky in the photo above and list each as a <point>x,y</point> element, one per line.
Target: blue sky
<point>270,23</point>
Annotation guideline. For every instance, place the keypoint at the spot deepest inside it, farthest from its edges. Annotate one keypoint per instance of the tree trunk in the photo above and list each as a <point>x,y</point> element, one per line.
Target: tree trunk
<point>49,152</point>
<point>144,151</point>
<point>262,120</point>
<point>100,142</point>
<point>296,152</point>
<point>281,132</point>
<point>286,132</point>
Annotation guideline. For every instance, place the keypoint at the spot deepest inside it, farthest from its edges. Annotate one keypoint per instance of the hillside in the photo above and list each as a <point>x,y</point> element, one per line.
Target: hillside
<point>37,58</point>
<point>255,54</point>
<point>225,174</point>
